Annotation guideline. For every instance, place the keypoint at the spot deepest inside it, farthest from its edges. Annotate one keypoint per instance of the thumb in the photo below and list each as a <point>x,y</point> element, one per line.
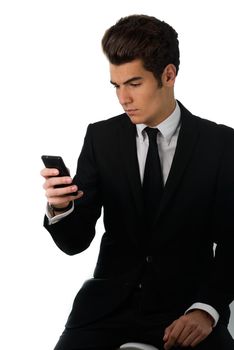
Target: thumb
<point>167,332</point>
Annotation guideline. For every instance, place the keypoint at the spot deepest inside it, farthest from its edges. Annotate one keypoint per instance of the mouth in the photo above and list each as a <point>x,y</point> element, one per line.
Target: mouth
<point>131,111</point>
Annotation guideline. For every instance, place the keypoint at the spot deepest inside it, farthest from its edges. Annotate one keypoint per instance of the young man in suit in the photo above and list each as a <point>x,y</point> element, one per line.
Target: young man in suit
<point>165,181</point>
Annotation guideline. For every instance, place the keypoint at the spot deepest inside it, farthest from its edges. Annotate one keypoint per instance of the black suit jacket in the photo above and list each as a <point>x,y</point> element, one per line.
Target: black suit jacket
<point>174,262</point>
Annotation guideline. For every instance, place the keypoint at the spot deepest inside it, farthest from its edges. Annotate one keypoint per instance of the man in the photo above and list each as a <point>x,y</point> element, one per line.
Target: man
<point>165,181</point>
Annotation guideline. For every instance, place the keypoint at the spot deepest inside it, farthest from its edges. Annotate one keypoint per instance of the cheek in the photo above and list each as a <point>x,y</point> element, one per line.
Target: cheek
<point>151,101</point>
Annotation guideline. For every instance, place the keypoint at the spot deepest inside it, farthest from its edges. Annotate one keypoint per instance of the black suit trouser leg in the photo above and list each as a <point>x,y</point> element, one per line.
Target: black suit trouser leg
<point>130,324</point>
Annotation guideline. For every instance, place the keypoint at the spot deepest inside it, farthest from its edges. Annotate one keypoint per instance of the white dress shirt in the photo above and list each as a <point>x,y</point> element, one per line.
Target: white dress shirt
<point>167,140</point>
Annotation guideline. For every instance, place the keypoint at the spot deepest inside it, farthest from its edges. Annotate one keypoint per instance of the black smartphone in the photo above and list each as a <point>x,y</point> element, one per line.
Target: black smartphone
<point>57,162</point>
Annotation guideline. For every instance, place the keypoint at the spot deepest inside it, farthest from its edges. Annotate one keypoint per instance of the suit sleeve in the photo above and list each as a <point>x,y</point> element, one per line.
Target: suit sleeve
<point>74,233</point>
<point>219,288</point>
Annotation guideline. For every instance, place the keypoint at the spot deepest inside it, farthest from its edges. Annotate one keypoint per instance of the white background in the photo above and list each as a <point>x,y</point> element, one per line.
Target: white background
<point>54,80</point>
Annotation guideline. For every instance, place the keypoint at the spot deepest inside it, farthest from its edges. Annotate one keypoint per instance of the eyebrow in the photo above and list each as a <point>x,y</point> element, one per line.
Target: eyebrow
<point>127,81</point>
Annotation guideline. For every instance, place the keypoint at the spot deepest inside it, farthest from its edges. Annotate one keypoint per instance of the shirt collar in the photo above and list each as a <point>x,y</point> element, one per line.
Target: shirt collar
<point>167,128</point>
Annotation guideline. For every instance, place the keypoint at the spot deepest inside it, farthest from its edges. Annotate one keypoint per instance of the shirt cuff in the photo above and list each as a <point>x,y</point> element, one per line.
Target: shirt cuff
<point>205,307</point>
<point>53,219</point>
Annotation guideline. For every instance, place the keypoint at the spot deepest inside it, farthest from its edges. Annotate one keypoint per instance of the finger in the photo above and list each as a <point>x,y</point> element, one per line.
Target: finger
<point>202,335</point>
<point>191,338</point>
<point>55,181</point>
<point>188,331</point>
<point>174,335</point>
<point>61,191</point>
<point>49,172</point>
<point>168,331</point>
<point>61,200</point>
<point>197,326</point>
<point>196,342</point>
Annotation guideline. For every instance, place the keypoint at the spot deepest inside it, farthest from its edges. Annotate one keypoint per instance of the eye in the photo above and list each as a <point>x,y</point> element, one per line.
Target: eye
<point>135,84</point>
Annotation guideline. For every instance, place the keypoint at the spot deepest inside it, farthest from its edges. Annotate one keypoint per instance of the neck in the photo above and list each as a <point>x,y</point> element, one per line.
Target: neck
<point>165,113</point>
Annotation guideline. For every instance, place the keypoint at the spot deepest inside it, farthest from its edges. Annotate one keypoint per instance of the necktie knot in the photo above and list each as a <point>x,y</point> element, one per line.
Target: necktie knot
<point>152,133</point>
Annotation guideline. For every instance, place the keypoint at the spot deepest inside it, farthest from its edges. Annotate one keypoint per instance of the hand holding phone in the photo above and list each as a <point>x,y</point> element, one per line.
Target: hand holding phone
<point>56,162</point>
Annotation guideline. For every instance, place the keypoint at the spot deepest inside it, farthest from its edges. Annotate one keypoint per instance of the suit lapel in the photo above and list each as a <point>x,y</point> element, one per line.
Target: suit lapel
<point>186,143</point>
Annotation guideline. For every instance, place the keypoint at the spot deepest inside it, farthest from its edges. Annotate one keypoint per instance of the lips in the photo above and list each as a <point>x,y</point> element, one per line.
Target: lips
<point>130,111</point>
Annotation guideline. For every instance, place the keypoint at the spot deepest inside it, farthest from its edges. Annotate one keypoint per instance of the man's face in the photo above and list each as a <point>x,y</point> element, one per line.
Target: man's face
<point>140,95</point>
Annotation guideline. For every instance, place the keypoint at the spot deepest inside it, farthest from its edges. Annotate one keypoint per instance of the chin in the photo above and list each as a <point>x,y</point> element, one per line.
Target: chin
<point>136,120</point>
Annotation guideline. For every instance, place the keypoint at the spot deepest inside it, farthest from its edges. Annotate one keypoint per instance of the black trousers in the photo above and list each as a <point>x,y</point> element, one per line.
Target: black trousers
<point>129,323</point>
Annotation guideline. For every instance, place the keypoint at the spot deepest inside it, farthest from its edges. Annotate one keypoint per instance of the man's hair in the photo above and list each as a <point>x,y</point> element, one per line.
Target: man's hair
<point>142,37</point>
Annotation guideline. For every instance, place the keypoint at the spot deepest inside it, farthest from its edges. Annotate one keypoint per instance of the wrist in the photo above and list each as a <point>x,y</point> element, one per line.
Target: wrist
<point>205,307</point>
<point>59,210</point>
<point>205,314</point>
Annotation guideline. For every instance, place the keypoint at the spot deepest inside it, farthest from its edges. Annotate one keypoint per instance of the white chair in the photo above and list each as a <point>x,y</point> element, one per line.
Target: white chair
<point>137,346</point>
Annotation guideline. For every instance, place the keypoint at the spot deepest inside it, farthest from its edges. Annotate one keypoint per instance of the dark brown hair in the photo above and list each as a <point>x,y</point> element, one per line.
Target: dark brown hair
<point>142,37</point>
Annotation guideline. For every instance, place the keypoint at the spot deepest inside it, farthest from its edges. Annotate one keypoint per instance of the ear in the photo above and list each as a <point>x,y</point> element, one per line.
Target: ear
<point>169,75</point>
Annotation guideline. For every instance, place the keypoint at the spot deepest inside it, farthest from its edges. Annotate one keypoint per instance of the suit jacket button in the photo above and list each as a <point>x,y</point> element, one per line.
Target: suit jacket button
<point>149,259</point>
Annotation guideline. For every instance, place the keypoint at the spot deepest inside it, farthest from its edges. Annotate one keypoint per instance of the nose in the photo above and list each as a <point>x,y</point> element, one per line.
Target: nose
<point>124,96</point>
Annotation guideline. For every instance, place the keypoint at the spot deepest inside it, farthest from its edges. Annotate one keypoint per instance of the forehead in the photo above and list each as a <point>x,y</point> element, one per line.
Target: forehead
<point>126,71</point>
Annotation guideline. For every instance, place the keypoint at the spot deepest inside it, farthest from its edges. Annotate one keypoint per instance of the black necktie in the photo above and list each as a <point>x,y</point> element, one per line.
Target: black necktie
<point>152,183</point>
